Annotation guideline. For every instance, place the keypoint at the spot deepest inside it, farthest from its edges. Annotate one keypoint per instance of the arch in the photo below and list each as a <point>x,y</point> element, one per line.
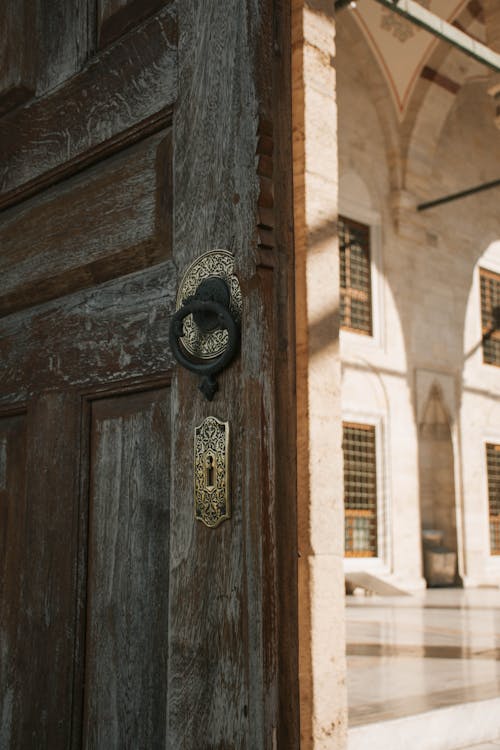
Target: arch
<point>435,419</point>
<point>355,57</point>
<point>354,191</point>
<point>427,259</point>
<point>438,508</point>
<point>412,135</point>
<point>442,77</point>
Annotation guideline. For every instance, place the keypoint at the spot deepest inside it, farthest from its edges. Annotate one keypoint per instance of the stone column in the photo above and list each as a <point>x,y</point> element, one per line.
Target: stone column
<point>320,495</point>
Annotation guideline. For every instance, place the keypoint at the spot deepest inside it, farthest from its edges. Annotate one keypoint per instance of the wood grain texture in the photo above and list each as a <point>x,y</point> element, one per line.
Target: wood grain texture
<point>68,244</point>
<point>230,682</point>
<point>127,592</point>
<point>226,661</point>
<point>112,219</point>
<point>41,45</point>
<point>215,648</point>
<point>122,93</point>
<point>17,63</point>
<point>63,40</point>
<point>13,519</point>
<point>43,532</point>
<point>286,556</point>
<point>116,17</point>
<point>110,333</point>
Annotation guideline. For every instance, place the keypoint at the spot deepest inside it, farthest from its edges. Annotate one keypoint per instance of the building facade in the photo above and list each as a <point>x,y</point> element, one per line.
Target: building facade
<point>420,350</point>
<point>392,328</point>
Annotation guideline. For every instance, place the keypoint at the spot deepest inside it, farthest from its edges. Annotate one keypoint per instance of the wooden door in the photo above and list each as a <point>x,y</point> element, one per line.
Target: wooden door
<point>134,137</point>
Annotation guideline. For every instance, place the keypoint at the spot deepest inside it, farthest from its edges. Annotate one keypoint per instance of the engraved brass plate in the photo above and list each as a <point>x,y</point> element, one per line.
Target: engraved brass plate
<point>211,476</point>
<point>215,263</point>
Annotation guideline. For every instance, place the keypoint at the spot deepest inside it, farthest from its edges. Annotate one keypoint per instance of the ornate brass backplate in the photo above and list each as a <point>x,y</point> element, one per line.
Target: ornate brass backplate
<point>218,264</point>
<point>211,475</point>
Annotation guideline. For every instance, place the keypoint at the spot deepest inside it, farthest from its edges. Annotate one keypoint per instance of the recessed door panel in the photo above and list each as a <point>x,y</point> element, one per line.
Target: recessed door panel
<point>127,592</point>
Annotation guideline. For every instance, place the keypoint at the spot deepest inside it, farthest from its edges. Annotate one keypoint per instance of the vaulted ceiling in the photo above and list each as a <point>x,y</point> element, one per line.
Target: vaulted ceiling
<point>405,50</point>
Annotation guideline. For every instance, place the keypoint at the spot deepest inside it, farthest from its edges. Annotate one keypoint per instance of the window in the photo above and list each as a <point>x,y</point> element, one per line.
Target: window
<point>355,280</point>
<point>493,464</point>
<point>490,315</point>
<point>360,490</point>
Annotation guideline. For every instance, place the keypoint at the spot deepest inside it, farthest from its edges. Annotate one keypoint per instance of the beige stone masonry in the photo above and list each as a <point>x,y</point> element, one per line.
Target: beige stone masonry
<point>321,579</point>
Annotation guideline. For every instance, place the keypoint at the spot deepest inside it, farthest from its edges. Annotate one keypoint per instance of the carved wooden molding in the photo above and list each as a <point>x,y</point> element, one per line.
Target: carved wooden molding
<point>266,219</point>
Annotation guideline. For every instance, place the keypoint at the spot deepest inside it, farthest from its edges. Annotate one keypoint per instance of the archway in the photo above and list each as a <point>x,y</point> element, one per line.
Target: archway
<point>437,491</point>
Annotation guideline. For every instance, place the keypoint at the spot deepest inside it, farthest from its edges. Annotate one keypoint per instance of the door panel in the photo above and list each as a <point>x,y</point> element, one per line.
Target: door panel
<point>41,44</point>
<point>52,244</point>
<point>62,41</point>
<point>51,534</point>
<point>116,17</point>
<point>17,79</point>
<point>112,332</point>
<point>123,94</point>
<point>128,569</point>
<point>39,586</point>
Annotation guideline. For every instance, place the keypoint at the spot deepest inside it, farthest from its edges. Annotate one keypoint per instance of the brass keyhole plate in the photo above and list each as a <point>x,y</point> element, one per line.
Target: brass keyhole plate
<point>215,263</point>
<point>211,472</point>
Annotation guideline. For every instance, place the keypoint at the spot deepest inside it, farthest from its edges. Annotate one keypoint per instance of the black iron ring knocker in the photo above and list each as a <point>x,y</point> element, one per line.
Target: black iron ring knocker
<point>209,307</point>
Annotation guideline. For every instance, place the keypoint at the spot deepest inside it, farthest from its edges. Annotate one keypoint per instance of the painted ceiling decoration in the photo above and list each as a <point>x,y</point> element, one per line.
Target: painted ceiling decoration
<point>400,28</point>
<point>401,47</point>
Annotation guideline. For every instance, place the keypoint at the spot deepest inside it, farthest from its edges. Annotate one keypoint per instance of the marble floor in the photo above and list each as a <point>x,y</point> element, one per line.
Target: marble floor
<point>410,655</point>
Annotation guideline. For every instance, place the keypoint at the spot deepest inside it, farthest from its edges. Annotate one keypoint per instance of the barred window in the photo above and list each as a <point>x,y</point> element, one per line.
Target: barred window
<point>355,280</point>
<point>493,463</point>
<point>490,315</point>
<point>360,490</point>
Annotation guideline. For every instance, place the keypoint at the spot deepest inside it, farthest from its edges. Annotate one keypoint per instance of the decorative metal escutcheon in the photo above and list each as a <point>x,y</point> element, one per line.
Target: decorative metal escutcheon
<point>205,328</point>
<point>211,472</point>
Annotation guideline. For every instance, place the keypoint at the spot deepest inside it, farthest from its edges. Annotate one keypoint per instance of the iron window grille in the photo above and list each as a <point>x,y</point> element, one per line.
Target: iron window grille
<point>493,464</point>
<point>360,490</point>
<point>490,314</point>
<point>355,276</point>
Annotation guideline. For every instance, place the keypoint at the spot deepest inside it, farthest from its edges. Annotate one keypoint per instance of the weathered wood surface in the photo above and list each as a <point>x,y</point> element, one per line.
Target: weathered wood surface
<point>127,593</point>
<point>215,647</point>
<point>224,590</point>
<point>13,519</point>
<point>116,17</point>
<point>113,332</point>
<point>17,73</point>
<point>112,219</point>
<point>41,45</point>
<point>285,629</point>
<point>225,616</point>
<point>123,93</point>
<point>109,220</point>
<point>63,40</point>
<point>36,702</point>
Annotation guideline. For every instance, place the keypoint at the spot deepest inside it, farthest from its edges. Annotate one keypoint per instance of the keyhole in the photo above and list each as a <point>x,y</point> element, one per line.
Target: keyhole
<point>210,471</point>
